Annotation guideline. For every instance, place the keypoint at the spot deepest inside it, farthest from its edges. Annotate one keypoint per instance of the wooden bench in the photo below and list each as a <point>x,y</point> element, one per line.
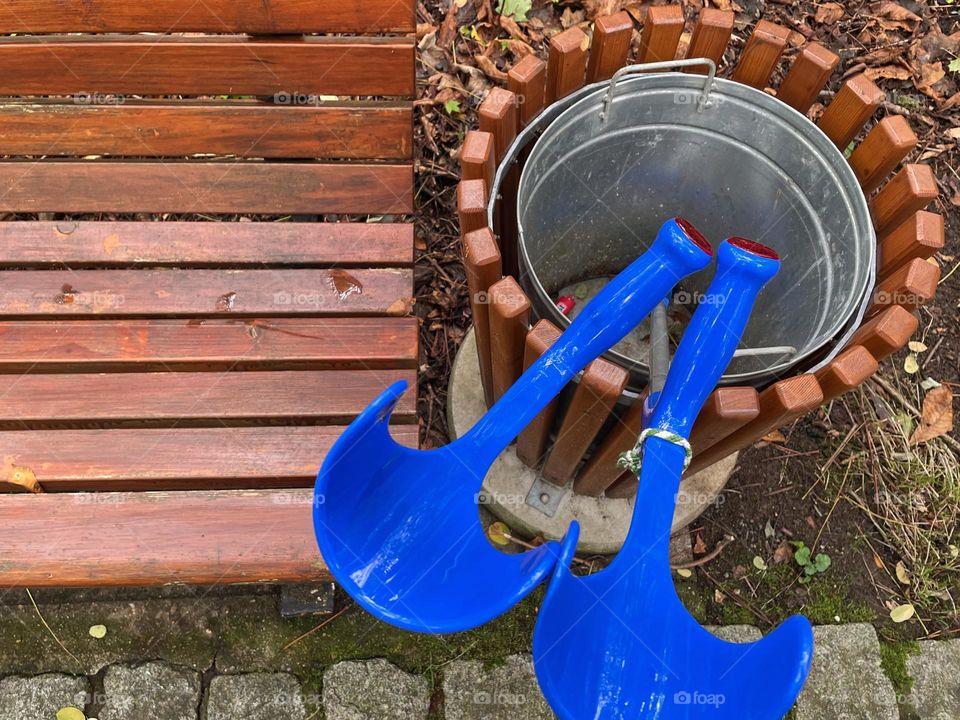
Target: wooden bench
<point>171,372</point>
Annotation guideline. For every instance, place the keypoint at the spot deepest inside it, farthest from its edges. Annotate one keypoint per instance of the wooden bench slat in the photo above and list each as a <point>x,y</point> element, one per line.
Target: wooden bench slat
<point>172,458</point>
<point>919,236</point>
<point>217,16</point>
<point>154,538</point>
<point>471,205</point>
<point>206,187</point>
<point>176,65</point>
<point>887,332</point>
<point>483,267</point>
<point>172,292</point>
<point>141,345</point>
<point>910,190</point>
<point>725,411</point>
<point>178,129</point>
<point>77,244</point>
<point>849,369</point>
<point>327,396</point>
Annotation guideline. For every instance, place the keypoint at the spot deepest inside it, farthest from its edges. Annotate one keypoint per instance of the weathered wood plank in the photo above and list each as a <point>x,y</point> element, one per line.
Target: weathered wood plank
<point>567,63</point>
<point>710,36</point>
<point>177,129</point>
<point>80,244</point>
<point>919,236</point>
<point>532,442</point>
<point>807,76</point>
<point>610,46</point>
<point>222,536</point>
<point>509,312</point>
<point>780,404</point>
<point>206,187</point>
<point>225,65</point>
<point>171,292</point>
<point>662,28</point>
<point>595,395</point>
<point>884,147</point>
<point>270,17</point>
<point>483,267</point>
<point>176,399</point>
<point>142,345</point>
<point>850,110</point>
<point>601,471</point>
<point>528,81</point>
<point>172,458</point>
<point>761,54</point>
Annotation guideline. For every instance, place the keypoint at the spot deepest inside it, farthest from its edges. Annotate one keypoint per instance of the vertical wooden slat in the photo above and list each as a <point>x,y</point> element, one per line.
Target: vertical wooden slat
<point>884,147</point>
<point>567,64</point>
<point>662,28</point>
<point>624,486</point>
<point>761,53</point>
<point>498,116</point>
<point>807,76</point>
<point>532,442</point>
<point>601,470</point>
<point>913,285</point>
<point>910,190</point>
<point>483,268</point>
<point>919,236</point>
<point>710,36</point>
<point>851,108</point>
<point>724,412</point>
<point>527,80</point>
<point>781,403</point>
<point>886,333</point>
<point>599,389</point>
<point>509,317</point>
<point>471,205</point>
<point>610,45</point>
<point>477,160</point>
<point>849,369</point>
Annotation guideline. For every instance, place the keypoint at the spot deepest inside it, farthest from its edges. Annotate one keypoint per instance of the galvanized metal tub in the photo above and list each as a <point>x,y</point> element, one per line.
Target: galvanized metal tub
<point>616,159</point>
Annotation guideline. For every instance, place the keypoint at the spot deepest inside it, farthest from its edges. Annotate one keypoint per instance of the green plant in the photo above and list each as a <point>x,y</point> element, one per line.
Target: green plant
<point>811,564</point>
<point>517,8</point>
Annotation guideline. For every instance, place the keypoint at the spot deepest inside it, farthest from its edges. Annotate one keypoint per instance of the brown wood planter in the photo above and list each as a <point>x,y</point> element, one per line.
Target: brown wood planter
<point>733,418</point>
<point>169,389</point>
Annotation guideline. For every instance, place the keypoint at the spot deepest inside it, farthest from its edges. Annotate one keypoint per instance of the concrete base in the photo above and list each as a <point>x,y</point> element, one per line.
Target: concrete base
<point>603,521</point>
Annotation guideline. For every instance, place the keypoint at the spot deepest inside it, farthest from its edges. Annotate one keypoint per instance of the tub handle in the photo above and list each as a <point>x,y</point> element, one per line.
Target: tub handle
<point>664,65</point>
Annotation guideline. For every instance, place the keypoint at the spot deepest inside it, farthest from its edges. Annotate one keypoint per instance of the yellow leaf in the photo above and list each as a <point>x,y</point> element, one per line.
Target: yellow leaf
<point>916,346</point>
<point>98,631</point>
<point>774,437</point>
<point>902,575</point>
<point>70,713</point>
<point>498,533</point>
<point>684,572</point>
<point>910,364</point>
<point>902,613</point>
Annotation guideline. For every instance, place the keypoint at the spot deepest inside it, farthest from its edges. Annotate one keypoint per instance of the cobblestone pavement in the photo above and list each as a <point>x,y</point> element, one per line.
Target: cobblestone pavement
<point>195,671</point>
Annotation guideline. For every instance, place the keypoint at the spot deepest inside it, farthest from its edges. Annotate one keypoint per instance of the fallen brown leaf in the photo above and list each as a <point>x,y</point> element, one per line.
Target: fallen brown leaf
<point>930,75</point>
<point>889,72</point>
<point>783,553</point>
<point>892,16</point>
<point>489,68</point>
<point>936,416</point>
<point>774,437</point>
<point>829,13</point>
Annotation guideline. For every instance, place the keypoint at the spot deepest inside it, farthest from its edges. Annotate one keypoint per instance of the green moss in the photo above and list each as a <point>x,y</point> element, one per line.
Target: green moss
<point>826,603</point>
<point>252,636</point>
<point>893,660</point>
<point>696,597</point>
